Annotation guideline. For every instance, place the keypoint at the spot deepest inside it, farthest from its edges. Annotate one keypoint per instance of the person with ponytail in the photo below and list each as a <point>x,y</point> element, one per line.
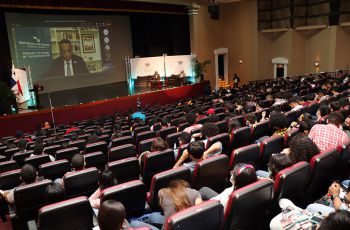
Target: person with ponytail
<point>178,196</point>
<point>172,199</point>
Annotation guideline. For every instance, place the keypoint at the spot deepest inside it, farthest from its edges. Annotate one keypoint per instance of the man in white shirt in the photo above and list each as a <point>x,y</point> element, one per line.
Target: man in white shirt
<point>67,64</point>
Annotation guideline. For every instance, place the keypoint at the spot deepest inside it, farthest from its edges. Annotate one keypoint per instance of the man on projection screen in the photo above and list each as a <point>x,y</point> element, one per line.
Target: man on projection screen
<point>67,64</point>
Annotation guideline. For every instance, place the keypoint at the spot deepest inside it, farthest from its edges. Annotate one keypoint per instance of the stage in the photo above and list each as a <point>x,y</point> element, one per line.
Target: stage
<point>82,106</point>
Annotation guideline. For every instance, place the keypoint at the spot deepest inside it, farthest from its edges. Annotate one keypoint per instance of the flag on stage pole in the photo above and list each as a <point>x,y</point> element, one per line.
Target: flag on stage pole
<point>19,84</point>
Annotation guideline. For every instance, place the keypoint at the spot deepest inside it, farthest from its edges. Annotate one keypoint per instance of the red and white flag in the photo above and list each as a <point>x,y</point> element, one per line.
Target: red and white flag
<point>19,84</point>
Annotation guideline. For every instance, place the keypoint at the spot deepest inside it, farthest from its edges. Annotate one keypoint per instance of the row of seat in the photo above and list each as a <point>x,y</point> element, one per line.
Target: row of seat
<point>207,215</point>
<point>300,182</point>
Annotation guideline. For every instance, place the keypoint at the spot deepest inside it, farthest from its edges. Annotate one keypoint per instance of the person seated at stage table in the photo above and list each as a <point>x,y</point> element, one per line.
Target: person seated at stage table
<point>156,76</point>
<point>182,77</point>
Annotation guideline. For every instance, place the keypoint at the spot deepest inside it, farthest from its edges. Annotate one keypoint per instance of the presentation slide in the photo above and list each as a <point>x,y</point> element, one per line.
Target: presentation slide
<point>69,46</point>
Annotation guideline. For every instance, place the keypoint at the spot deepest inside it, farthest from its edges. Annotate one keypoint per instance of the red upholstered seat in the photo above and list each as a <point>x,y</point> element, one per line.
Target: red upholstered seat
<point>131,194</point>
<point>211,172</point>
<point>247,207</point>
<point>70,214</point>
<point>125,170</point>
<point>205,216</point>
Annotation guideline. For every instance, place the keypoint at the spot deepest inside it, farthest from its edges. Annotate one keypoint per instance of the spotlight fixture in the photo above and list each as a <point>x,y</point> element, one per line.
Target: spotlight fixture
<point>240,61</point>
<point>317,64</point>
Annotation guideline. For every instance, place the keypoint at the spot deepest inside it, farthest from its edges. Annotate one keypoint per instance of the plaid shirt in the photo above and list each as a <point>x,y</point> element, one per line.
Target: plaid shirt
<point>327,136</point>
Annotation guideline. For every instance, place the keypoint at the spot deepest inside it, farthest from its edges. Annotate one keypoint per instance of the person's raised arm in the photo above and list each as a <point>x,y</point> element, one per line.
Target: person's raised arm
<point>183,157</point>
<point>334,191</point>
<point>217,146</point>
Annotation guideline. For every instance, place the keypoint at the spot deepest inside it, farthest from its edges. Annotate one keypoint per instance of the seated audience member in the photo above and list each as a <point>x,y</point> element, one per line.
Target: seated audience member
<point>213,118</point>
<point>158,144</point>
<point>308,99</point>
<point>20,136</point>
<point>22,145</point>
<point>73,138</point>
<point>191,119</point>
<point>305,117</point>
<point>279,123</point>
<point>77,164</point>
<point>54,193</point>
<point>339,220</point>
<point>277,162</point>
<point>138,115</point>
<point>72,128</point>
<point>163,125</point>
<point>38,150</point>
<point>28,175</point>
<point>344,102</point>
<point>233,125</point>
<point>241,175</point>
<point>184,139</point>
<point>200,113</point>
<point>329,136</point>
<point>10,144</point>
<point>117,131</point>
<point>106,180</point>
<point>176,197</point>
<point>46,125</point>
<point>155,123</point>
<point>250,120</point>
<point>322,111</point>
<point>293,103</point>
<point>259,105</point>
<point>346,126</point>
<point>195,152</point>
<point>305,127</point>
<point>211,111</point>
<point>112,216</point>
<point>295,217</point>
<point>334,106</point>
<point>279,99</point>
<point>301,148</point>
<point>335,200</point>
<point>335,90</point>
<point>321,95</point>
<point>209,130</point>
<point>94,137</point>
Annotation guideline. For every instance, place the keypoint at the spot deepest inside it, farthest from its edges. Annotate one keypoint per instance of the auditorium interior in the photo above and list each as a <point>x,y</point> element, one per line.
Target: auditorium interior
<point>175,114</point>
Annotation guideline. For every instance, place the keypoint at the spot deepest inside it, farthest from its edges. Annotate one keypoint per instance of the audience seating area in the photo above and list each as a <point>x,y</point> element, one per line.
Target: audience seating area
<point>250,207</point>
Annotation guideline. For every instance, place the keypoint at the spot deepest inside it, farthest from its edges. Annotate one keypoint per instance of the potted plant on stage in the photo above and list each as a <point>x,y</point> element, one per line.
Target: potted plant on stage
<point>8,102</point>
<point>199,69</point>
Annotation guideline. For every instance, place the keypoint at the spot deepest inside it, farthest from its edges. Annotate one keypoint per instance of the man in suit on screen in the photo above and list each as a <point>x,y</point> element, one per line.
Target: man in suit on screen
<point>67,64</point>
